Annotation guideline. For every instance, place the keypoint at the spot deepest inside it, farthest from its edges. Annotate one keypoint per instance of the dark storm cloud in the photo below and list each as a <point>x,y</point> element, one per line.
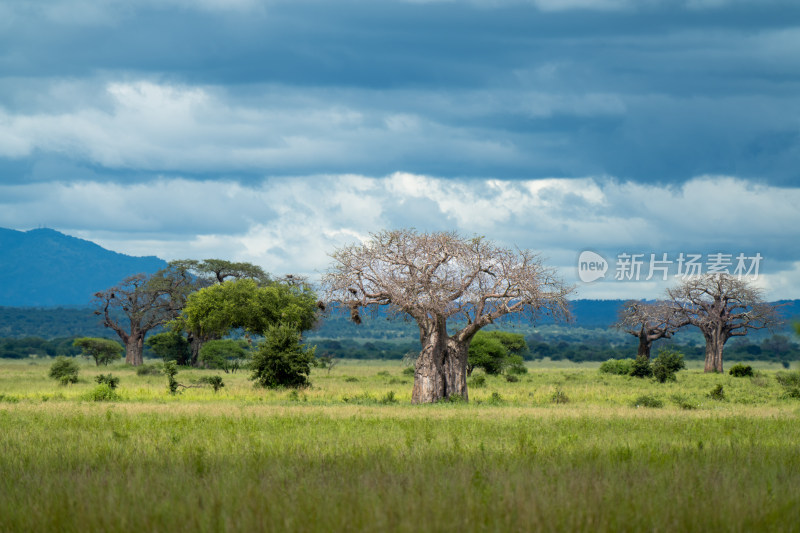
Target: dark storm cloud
<point>645,91</point>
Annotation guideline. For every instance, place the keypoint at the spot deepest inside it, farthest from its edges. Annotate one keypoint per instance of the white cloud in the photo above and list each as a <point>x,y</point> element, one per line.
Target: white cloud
<point>291,224</point>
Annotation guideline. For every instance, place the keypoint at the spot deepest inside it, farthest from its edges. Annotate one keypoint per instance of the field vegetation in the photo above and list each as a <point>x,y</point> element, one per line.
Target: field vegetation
<point>562,447</point>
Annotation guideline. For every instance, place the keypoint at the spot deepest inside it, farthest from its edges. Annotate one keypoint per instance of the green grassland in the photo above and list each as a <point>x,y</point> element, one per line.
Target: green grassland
<point>350,453</point>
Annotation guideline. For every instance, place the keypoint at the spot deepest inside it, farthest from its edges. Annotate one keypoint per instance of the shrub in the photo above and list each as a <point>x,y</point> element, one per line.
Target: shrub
<point>351,379</point>
<point>148,370</point>
<point>640,368</point>
<point>109,380</point>
<point>64,370</point>
<point>741,371</point>
<point>790,381</point>
<point>667,364</point>
<point>171,346</point>
<point>683,402</point>
<point>388,398</point>
<point>227,355</point>
<point>215,382</point>
<point>515,365</point>
<point>408,371</point>
<point>478,381</point>
<point>559,396</point>
<point>495,399</point>
<point>103,393</point>
<point>511,378</point>
<point>647,400</point>
<point>281,360</point>
<point>171,370</point>
<point>717,393</point>
<point>620,367</point>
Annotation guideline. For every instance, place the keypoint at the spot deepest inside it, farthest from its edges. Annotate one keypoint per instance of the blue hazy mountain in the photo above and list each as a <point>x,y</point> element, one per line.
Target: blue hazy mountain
<point>45,268</point>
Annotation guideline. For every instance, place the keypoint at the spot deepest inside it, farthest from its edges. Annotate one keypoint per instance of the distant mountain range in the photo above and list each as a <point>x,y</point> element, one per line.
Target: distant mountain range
<point>45,268</point>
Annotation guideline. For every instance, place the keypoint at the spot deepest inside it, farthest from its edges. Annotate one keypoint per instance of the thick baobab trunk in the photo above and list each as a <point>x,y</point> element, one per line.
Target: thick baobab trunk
<point>455,369</point>
<point>134,348</point>
<point>714,346</point>
<point>644,347</point>
<point>429,386</point>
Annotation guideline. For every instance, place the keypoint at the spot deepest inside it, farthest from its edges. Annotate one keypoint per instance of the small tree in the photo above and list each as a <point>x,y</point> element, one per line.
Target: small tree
<point>649,321</point>
<point>103,351</point>
<point>64,370</point>
<point>281,360</point>
<point>667,364</point>
<point>487,353</point>
<point>171,346</point>
<point>227,355</point>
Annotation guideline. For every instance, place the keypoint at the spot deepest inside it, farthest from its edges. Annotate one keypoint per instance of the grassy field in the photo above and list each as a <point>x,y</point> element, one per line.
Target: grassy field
<point>351,454</point>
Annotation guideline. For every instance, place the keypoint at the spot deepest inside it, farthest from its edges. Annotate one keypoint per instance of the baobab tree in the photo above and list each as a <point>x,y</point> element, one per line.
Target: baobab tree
<point>146,301</point>
<point>722,306</point>
<point>438,276</point>
<point>649,321</point>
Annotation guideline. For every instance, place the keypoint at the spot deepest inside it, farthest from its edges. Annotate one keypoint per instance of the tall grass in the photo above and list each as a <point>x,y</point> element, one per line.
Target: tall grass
<point>253,460</point>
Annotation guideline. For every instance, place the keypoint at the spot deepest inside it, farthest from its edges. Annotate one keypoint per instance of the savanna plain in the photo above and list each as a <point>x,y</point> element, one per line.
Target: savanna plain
<point>563,448</point>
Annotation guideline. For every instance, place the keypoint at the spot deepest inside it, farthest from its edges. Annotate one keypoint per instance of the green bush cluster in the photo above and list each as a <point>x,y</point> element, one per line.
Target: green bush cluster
<point>620,367</point>
<point>648,401</point>
<point>662,368</point>
<point>790,381</point>
<point>64,370</point>
<point>111,381</point>
<point>741,371</point>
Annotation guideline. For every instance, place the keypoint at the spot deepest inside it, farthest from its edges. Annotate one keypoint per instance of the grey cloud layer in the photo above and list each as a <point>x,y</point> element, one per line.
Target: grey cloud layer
<point>647,91</point>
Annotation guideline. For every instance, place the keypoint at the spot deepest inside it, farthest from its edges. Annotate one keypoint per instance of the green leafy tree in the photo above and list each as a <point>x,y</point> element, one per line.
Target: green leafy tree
<point>64,370</point>
<point>486,353</point>
<point>103,351</point>
<point>496,352</point>
<point>281,359</point>
<point>214,311</point>
<point>228,355</point>
<point>171,346</point>
<point>667,364</point>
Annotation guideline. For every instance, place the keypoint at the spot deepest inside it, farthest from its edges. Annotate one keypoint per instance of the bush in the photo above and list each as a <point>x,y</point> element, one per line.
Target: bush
<point>620,367</point>
<point>640,368</point>
<point>511,378</point>
<point>717,393</point>
<point>227,355</point>
<point>388,398</point>
<point>790,381</point>
<point>281,360</point>
<point>667,364</point>
<point>109,380</point>
<point>559,396</point>
<point>64,370</point>
<point>408,371</point>
<point>648,401</point>
<point>741,371</point>
<point>103,393</point>
<point>683,402</point>
<point>215,382</point>
<point>478,381</point>
<point>171,346</point>
<point>171,370</point>
<point>148,370</point>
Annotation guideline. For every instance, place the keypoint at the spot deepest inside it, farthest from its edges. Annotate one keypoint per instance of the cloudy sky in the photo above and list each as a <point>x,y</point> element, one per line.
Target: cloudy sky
<point>275,131</point>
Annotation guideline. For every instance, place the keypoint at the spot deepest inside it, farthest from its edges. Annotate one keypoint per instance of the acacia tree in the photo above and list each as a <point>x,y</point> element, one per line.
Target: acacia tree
<point>202,274</point>
<point>649,321</point>
<point>438,276</point>
<point>722,306</point>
